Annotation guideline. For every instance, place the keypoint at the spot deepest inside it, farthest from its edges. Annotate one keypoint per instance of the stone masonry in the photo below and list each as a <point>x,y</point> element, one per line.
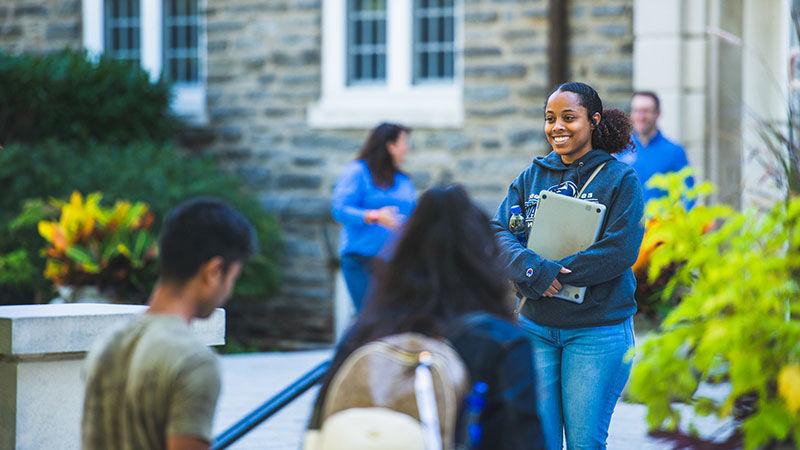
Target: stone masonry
<point>39,26</point>
<point>264,70</point>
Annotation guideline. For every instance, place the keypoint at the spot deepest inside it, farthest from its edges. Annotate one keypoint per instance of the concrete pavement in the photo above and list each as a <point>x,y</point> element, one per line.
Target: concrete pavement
<point>249,379</point>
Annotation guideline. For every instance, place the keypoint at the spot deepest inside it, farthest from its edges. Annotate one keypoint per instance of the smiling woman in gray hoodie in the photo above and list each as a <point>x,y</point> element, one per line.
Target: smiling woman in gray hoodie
<point>579,349</point>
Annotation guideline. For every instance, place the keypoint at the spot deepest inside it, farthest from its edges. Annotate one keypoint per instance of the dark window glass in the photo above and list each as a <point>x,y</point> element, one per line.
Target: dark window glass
<point>434,40</point>
<point>366,41</point>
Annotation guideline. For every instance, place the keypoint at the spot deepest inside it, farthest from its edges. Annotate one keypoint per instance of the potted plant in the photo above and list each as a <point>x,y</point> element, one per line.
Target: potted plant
<point>94,252</point>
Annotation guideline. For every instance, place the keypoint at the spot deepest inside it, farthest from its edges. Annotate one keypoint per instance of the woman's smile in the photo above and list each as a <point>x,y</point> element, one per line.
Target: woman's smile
<point>560,140</point>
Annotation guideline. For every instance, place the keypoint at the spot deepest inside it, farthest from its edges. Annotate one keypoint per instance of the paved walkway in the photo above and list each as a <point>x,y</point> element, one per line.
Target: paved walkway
<point>248,380</point>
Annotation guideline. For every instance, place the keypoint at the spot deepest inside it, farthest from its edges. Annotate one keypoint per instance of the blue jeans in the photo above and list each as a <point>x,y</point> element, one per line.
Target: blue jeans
<point>357,272</point>
<point>580,375</point>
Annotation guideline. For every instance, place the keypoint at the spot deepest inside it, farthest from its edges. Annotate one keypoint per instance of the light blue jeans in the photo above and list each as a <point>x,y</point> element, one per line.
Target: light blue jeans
<point>580,374</point>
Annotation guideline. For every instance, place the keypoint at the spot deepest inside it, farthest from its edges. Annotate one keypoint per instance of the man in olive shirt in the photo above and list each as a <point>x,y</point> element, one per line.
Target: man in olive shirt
<point>152,384</point>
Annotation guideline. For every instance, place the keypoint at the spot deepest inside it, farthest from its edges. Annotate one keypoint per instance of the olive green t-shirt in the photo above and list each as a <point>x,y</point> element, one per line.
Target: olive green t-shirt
<point>150,379</point>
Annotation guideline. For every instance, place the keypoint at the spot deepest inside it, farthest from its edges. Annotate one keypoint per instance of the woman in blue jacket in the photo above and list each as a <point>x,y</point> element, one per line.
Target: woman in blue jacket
<point>371,199</point>
<point>579,349</point>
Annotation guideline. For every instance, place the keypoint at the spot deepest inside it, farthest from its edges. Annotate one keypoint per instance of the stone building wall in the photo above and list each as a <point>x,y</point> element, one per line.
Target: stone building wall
<point>264,71</point>
<point>601,46</point>
<point>39,26</point>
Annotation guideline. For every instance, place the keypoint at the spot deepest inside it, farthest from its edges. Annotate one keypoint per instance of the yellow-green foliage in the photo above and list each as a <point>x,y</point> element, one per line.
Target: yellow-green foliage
<point>91,243</point>
<point>738,322</point>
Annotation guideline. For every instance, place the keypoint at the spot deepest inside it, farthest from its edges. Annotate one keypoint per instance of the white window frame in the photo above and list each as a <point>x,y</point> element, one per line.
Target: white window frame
<point>429,105</point>
<point>189,99</point>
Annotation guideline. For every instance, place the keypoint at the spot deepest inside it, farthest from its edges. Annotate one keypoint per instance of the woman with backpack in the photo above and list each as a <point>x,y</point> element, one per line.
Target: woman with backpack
<point>443,281</point>
<point>371,198</point>
<point>579,348</point>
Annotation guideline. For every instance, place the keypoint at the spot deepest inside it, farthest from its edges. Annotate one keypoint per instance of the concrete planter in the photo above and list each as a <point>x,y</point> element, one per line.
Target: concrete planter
<point>42,348</point>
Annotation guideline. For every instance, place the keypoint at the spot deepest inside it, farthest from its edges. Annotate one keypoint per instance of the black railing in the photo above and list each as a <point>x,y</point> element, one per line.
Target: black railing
<point>270,407</point>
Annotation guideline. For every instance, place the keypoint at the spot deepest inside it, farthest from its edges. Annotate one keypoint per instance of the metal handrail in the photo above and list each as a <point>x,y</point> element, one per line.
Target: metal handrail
<point>270,407</point>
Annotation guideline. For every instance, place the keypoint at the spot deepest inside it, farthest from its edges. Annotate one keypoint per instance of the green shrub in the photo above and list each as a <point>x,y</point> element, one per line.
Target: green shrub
<point>67,97</point>
<point>159,175</point>
<point>738,322</point>
<point>16,269</point>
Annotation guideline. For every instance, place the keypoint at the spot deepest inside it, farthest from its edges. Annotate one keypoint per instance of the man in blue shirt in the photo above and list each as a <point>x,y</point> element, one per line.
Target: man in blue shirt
<point>653,153</point>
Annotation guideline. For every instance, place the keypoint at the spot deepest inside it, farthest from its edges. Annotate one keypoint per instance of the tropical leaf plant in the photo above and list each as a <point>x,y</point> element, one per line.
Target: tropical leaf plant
<point>91,244</point>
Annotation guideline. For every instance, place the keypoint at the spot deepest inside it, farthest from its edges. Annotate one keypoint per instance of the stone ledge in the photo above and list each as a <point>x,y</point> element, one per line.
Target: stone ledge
<point>69,328</point>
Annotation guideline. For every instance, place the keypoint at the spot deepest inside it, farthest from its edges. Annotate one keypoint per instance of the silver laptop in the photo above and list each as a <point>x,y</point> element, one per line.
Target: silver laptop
<point>563,226</point>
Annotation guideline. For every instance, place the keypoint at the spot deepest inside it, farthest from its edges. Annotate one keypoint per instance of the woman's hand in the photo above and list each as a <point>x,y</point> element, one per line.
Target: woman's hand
<point>555,286</point>
<point>387,217</point>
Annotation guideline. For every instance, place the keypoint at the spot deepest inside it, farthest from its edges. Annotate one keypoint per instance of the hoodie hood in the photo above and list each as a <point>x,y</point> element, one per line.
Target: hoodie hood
<point>578,171</point>
<point>589,161</point>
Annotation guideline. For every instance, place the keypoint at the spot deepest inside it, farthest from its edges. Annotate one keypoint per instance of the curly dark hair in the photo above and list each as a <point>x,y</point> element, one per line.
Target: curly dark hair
<point>613,133</point>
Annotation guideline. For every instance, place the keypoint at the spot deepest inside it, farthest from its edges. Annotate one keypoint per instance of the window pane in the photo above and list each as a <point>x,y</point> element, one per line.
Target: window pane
<point>367,64</point>
<point>366,34</point>
<point>195,70</point>
<point>366,41</point>
<point>122,31</point>
<point>359,72</point>
<point>434,40</point>
<point>194,33</point>
<point>449,32</point>
<point>433,34</point>
<point>181,36</point>
<point>449,64</point>
<point>381,66</point>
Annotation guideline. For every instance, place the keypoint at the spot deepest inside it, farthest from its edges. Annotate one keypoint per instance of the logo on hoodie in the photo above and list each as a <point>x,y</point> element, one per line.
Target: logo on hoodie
<point>567,188</point>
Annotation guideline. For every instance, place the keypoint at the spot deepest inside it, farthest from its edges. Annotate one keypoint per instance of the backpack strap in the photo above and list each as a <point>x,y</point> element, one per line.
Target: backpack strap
<point>591,177</point>
<point>426,403</point>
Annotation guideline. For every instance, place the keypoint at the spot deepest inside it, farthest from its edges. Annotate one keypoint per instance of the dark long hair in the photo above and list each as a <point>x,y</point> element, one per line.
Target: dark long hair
<point>445,265</point>
<point>376,155</point>
<point>613,133</point>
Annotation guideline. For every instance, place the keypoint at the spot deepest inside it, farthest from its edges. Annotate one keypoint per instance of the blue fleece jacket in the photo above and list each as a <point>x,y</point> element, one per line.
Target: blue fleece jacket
<point>355,193</point>
<point>605,267</point>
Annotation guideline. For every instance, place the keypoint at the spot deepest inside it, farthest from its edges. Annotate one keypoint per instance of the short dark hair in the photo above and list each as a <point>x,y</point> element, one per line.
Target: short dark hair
<point>198,230</point>
<point>376,155</point>
<point>650,94</point>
